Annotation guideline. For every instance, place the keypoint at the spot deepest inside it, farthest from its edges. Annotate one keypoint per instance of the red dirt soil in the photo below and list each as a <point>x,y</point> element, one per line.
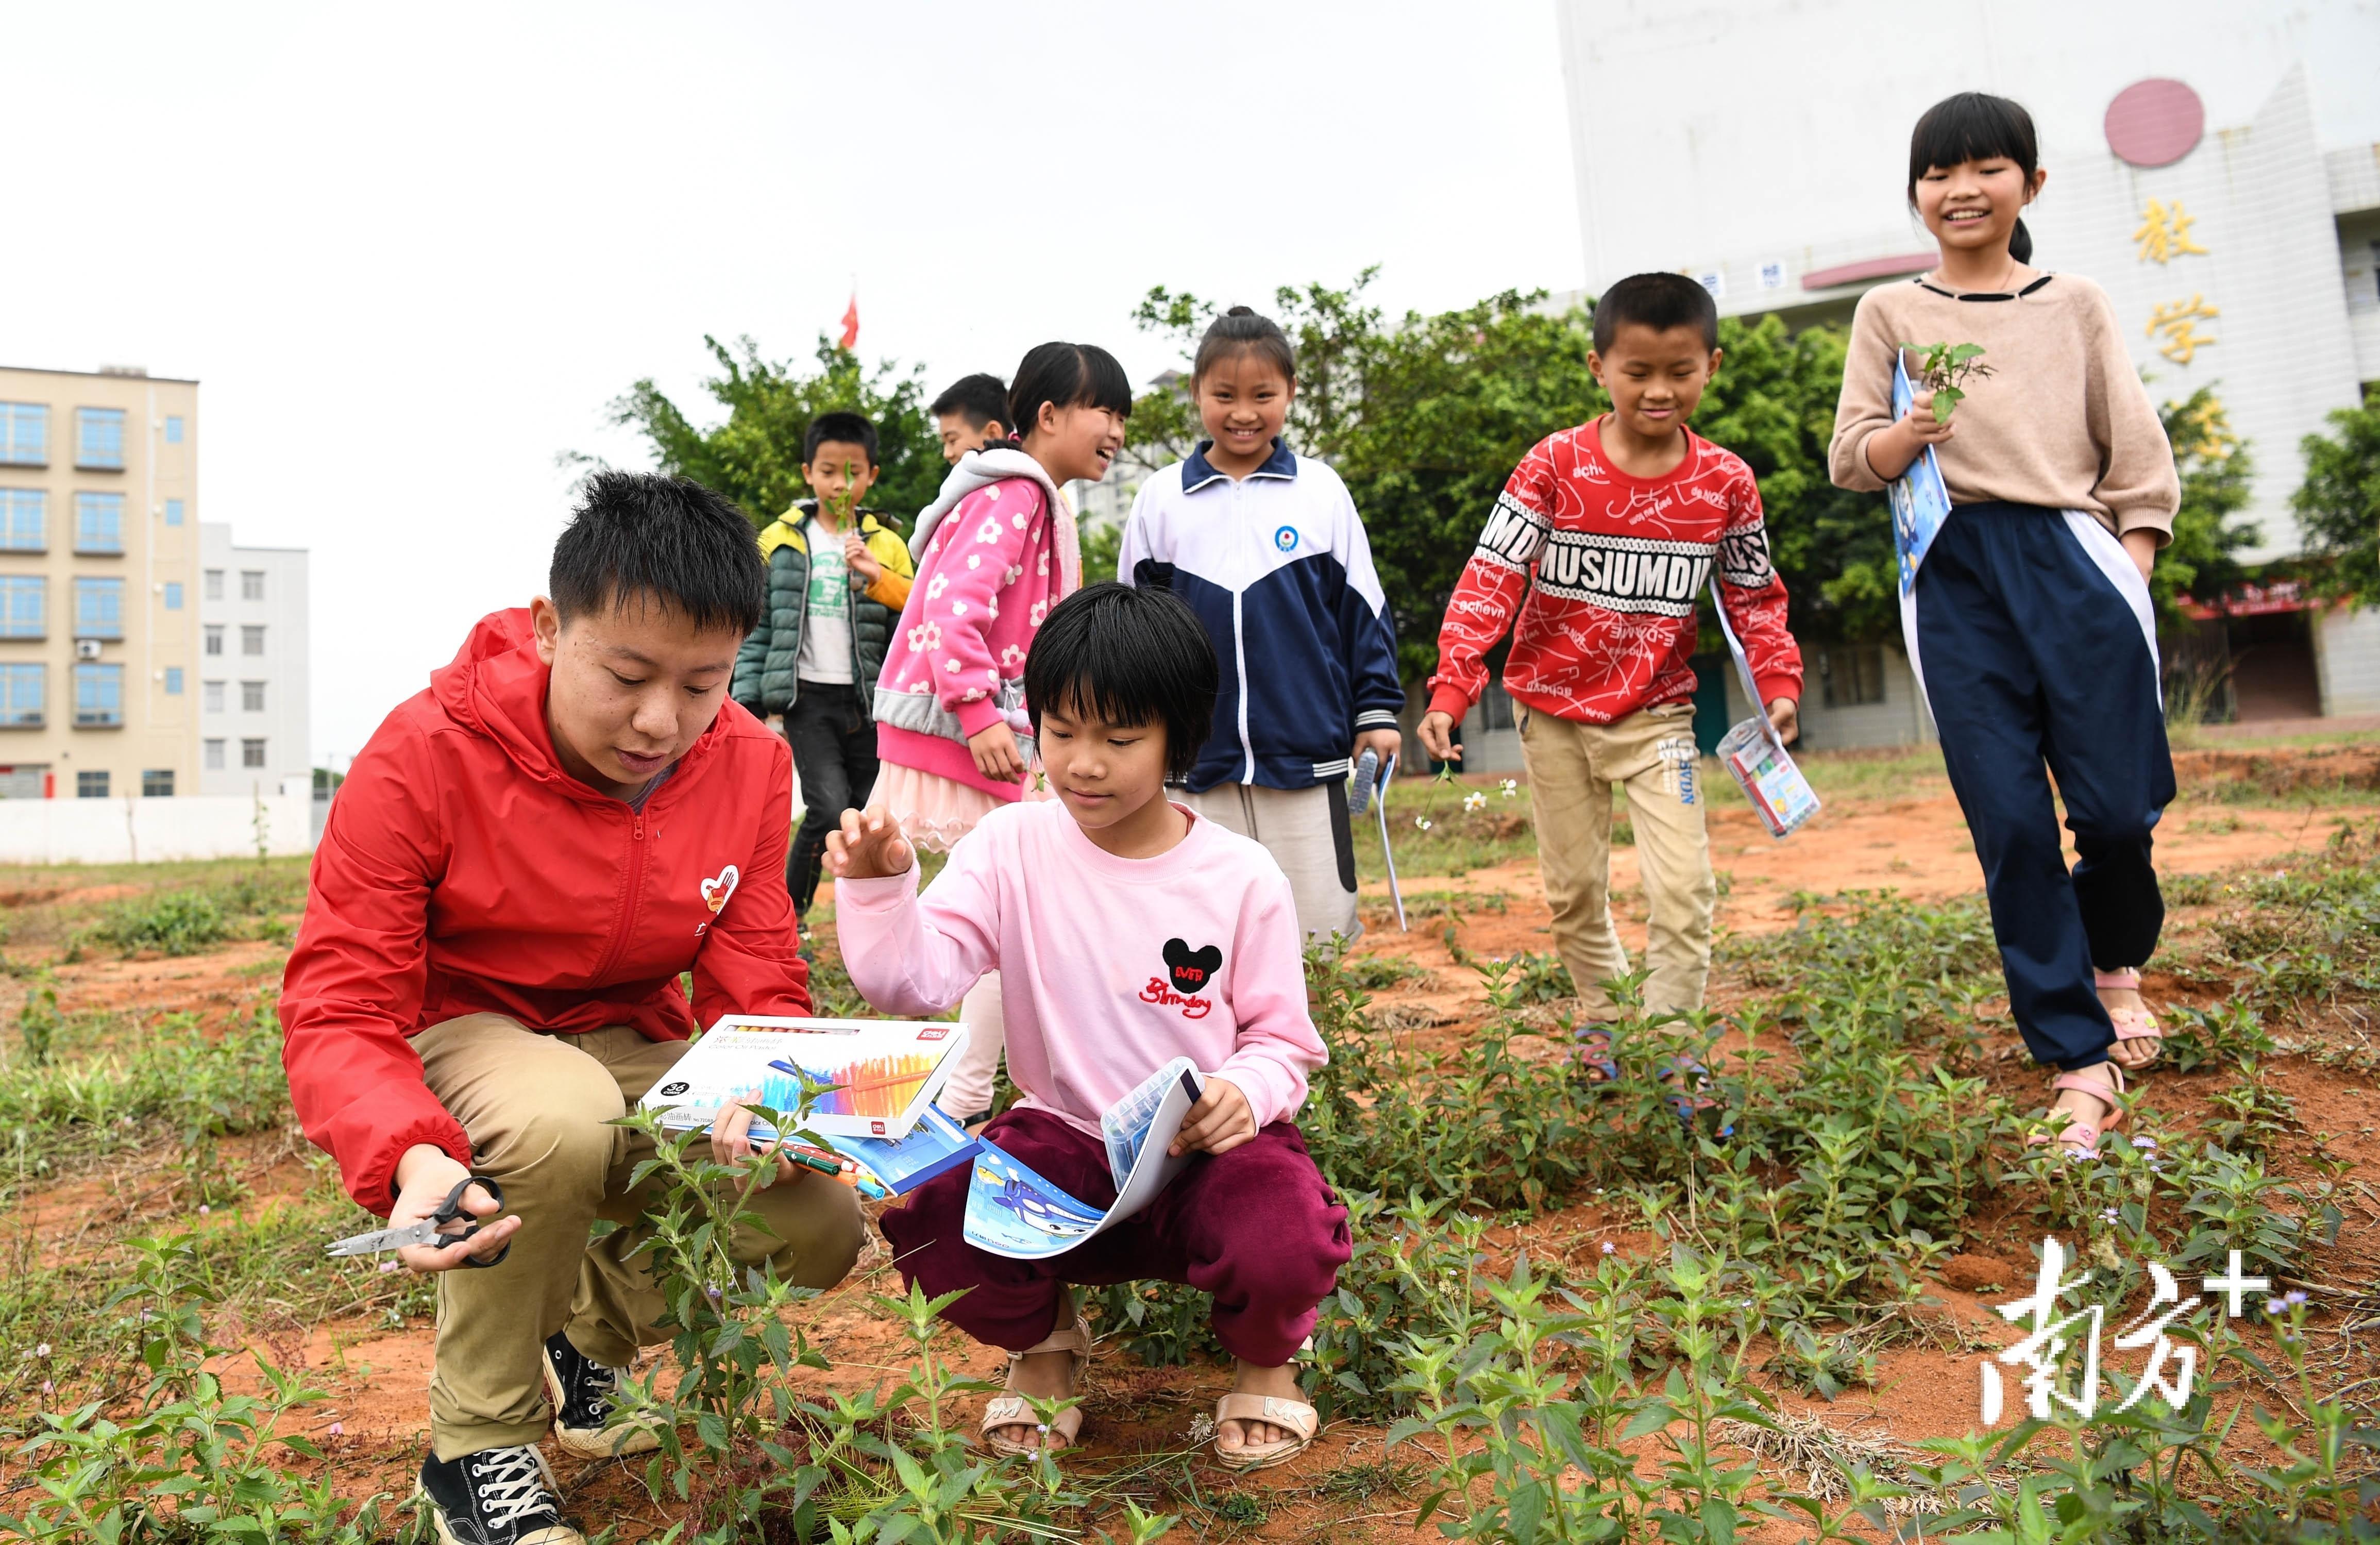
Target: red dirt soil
<point>374,1426</point>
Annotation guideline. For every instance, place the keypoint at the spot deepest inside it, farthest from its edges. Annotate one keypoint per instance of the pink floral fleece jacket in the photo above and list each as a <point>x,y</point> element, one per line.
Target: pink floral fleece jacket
<point>991,561</point>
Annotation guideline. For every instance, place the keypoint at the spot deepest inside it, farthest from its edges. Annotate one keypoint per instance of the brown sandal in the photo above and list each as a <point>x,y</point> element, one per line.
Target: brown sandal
<point>1295,1414</point>
<point>1003,1411</point>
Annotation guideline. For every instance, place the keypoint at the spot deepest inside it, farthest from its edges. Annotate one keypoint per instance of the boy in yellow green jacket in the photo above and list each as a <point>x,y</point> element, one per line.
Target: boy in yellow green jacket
<point>838,577</point>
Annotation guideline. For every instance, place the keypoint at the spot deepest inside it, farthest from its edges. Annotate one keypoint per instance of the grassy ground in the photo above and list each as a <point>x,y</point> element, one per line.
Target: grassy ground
<point>1568,1315</point>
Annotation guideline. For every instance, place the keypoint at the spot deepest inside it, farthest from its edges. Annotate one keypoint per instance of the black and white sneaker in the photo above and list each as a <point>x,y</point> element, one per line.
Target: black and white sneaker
<point>498,1496</point>
<point>584,1392</point>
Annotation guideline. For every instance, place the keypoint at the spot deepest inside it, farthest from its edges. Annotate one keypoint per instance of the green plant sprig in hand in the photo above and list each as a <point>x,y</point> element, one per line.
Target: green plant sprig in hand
<point>1941,368</point>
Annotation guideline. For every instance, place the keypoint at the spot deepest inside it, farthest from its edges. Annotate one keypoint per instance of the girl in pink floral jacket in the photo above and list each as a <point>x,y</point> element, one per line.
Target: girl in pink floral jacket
<point>994,553</point>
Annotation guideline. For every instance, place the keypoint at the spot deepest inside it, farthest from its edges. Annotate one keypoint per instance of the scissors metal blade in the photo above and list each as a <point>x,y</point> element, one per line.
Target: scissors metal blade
<point>374,1243</point>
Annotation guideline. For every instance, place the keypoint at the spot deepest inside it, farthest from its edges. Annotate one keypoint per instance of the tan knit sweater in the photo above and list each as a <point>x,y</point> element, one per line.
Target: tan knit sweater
<point>2062,423</point>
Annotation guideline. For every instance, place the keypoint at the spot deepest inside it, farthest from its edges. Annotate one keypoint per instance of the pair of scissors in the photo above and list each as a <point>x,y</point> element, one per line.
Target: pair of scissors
<point>436,1230</point>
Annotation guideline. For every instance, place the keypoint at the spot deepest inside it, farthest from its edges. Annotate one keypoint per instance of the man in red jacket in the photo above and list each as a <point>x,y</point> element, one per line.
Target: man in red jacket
<point>518,868</point>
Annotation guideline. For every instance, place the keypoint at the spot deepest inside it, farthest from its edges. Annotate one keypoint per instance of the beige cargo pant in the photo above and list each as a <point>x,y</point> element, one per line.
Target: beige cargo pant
<point>535,1107</point>
<point>1572,770</point>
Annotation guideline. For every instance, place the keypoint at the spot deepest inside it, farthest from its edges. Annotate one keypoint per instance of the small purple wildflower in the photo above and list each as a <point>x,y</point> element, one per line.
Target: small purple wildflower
<point>1611,1248</point>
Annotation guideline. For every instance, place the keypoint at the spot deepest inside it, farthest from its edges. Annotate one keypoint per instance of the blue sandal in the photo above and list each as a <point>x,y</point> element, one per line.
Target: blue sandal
<point>1595,1051</point>
<point>1688,1100</point>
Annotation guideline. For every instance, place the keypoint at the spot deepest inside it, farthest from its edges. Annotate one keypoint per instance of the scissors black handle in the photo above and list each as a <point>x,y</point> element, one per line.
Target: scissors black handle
<point>451,1211</point>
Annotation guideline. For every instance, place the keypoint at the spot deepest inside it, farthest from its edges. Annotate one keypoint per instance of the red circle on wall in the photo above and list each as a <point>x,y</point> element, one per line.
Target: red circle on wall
<point>2155,122</point>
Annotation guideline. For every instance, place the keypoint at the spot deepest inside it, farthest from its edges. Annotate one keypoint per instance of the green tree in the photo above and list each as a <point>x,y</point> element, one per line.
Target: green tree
<point>2215,474</point>
<point>1425,417</point>
<point>755,456</point>
<point>2339,505</point>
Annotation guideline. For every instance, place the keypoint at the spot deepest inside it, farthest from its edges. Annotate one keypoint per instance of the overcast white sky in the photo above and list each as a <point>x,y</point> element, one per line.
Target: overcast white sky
<point>410,252</point>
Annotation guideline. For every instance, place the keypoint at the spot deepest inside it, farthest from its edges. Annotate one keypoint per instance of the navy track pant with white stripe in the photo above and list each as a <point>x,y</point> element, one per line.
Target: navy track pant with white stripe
<point>2033,633</point>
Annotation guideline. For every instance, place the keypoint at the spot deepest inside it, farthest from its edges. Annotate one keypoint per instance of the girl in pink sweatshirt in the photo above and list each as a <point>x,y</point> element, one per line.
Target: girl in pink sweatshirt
<point>1126,931</point>
<point>994,553</point>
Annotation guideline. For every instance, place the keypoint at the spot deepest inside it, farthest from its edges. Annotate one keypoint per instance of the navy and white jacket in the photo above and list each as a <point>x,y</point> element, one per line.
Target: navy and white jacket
<point>1278,569</point>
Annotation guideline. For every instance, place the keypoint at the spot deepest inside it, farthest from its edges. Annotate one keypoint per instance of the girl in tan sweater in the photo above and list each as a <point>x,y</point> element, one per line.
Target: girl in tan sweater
<point>2029,620</point>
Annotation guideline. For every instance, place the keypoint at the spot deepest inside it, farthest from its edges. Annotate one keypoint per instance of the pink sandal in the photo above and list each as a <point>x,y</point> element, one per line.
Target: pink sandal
<point>2081,1138</point>
<point>2131,1024</point>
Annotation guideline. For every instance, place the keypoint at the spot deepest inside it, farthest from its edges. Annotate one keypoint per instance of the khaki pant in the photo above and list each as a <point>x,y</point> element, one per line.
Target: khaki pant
<point>535,1107</point>
<point>1572,767</point>
<point>1309,835</point>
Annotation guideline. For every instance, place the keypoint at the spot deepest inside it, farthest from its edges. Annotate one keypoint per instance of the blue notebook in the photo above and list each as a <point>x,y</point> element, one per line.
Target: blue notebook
<point>1921,501</point>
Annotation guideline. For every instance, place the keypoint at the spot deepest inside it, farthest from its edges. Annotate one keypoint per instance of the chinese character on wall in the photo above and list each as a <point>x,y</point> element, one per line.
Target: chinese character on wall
<point>2178,320</point>
<point>2164,233</point>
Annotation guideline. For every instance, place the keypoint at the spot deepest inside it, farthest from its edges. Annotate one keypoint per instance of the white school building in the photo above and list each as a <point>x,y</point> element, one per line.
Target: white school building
<point>2214,167</point>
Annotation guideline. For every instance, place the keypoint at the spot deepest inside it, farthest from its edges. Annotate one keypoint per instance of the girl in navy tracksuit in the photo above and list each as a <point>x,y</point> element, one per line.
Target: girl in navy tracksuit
<point>1267,548</point>
<point>2029,620</point>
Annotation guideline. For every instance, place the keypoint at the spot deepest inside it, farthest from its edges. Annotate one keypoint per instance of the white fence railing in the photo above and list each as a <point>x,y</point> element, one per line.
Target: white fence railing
<point>148,831</point>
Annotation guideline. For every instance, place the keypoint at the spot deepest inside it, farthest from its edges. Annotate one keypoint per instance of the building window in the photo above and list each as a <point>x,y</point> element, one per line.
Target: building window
<point>251,696</point>
<point>99,438</point>
<point>22,697</point>
<point>173,512</point>
<point>252,584</point>
<point>214,584</point>
<point>173,437</point>
<point>99,697</point>
<point>252,639</point>
<point>1495,707</point>
<point>214,697</point>
<point>1853,674</point>
<point>24,433</point>
<point>24,519</point>
<point>215,637</point>
<point>252,753</point>
<point>173,595</point>
<point>173,681</point>
<point>157,782</point>
<point>90,785</point>
<point>215,755</point>
<point>99,608</point>
<point>24,606</point>
<point>99,522</point>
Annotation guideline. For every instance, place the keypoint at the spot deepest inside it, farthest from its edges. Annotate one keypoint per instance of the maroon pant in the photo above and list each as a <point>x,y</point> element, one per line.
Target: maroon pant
<point>1257,1227</point>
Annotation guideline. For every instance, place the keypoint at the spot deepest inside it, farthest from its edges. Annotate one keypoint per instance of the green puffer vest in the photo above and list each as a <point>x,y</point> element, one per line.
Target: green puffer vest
<point>765,680</point>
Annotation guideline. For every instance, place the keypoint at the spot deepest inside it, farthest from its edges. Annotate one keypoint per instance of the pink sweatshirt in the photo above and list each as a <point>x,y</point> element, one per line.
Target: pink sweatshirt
<point>1108,967</point>
<point>990,564</point>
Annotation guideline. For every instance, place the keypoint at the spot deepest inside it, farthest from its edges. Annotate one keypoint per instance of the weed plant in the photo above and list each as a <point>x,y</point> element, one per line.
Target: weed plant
<point>192,1460</point>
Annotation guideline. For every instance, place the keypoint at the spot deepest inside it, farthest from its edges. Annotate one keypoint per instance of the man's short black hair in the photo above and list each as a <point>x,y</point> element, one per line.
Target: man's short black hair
<point>1659,301</point>
<point>983,397</point>
<point>844,429</point>
<point>1129,656</point>
<point>641,534</point>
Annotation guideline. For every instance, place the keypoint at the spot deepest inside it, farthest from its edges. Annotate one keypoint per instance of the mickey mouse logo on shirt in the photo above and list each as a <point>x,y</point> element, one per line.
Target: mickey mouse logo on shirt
<point>1192,969</point>
<point>1191,972</point>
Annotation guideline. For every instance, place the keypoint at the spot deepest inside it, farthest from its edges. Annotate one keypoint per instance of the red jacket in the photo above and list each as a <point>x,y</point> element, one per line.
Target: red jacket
<point>464,871</point>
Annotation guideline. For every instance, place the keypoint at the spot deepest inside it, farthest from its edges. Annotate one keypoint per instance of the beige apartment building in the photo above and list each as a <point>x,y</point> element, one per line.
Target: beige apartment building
<point>98,584</point>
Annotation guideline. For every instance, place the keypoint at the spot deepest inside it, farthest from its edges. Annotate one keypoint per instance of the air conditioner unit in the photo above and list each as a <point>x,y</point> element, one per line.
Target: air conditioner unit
<point>86,648</point>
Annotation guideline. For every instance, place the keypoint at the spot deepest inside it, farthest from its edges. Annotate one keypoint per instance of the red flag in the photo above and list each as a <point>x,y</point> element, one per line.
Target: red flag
<point>851,324</point>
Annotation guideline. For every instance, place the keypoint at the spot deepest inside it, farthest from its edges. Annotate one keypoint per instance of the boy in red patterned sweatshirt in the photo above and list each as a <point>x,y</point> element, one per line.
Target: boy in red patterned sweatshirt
<point>1620,523</point>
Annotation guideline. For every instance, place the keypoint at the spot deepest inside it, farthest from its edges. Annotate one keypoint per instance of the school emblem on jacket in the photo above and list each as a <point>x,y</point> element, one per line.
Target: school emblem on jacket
<point>1286,539</point>
<point>716,891</point>
<point>1188,973</point>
